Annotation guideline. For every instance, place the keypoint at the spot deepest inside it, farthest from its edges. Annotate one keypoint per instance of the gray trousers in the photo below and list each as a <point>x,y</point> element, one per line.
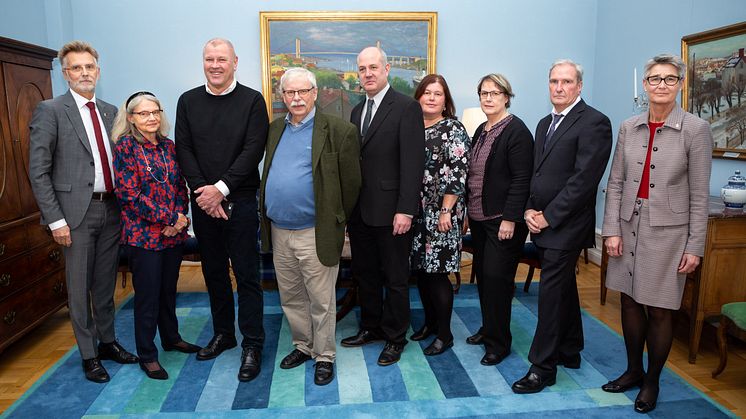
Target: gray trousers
<point>91,270</point>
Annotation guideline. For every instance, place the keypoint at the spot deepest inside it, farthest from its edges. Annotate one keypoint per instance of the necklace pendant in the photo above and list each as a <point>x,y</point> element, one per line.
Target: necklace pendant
<point>148,169</point>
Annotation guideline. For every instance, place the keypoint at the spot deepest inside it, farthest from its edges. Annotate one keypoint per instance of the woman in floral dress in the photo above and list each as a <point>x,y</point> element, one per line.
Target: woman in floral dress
<point>436,249</point>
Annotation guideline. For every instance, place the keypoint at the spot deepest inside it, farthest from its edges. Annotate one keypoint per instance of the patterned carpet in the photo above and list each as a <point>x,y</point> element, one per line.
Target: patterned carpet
<point>453,384</point>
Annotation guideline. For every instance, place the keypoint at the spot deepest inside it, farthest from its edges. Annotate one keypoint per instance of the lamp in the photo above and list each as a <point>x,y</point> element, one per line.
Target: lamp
<point>471,118</point>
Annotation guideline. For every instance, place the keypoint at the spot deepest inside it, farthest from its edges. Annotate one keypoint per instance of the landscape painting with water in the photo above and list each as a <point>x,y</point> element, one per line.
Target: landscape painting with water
<point>329,46</point>
<point>715,89</point>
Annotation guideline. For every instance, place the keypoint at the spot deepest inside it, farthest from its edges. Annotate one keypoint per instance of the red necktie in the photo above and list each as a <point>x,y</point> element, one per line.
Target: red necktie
<point>101,147</point>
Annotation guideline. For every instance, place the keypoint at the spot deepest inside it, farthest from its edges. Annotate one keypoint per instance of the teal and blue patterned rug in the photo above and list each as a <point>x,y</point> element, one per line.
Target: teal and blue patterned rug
<point>453,384</point>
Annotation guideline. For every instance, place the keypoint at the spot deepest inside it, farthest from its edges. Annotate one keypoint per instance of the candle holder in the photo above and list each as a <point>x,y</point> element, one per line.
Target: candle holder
<point>640,104</point>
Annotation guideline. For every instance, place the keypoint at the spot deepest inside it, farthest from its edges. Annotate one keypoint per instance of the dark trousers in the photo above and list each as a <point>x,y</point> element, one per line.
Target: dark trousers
<point>234,240</point>
<point>495,262</point>
<point>559,331</point>
<point>154,277</point>
<point>380,261</point>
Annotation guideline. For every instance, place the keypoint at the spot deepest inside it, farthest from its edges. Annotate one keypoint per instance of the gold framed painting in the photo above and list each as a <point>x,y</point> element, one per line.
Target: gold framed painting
<point>327,43</point>
<point>715,85</point>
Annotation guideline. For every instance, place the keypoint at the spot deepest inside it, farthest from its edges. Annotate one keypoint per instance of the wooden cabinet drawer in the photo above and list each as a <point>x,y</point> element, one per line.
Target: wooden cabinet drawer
<point>45,260</point>
<point>37,234</point>
<point>31,306</point>
<point>12,241</point>
<point>11,278</point>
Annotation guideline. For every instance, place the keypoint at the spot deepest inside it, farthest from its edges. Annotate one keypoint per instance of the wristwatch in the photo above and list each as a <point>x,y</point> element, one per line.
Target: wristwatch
<point>445,210</point>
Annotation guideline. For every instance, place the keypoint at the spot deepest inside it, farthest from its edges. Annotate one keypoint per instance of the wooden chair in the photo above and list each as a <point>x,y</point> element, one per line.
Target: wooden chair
<point>732,316</point>
<point>191,253</point>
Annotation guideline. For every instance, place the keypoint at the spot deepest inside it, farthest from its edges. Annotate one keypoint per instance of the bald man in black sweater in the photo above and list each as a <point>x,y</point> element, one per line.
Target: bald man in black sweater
<point>221,129</point>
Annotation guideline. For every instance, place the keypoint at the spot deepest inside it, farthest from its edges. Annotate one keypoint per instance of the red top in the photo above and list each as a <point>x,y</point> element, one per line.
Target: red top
<point>645,181</point>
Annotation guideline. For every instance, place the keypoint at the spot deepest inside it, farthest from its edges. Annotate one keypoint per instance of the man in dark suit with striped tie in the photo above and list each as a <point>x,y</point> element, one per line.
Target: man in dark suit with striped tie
<point>392,161</point>
<point>572,148</point>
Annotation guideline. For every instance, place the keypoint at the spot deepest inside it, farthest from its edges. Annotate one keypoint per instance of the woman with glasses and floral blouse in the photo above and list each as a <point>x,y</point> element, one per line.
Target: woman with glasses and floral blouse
<point>655,222</point>
<point>499,179</point>
<point>154,202</point>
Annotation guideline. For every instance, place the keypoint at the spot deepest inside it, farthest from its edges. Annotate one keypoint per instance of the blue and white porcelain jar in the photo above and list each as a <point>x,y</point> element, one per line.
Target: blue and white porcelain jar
<point>734,193</point>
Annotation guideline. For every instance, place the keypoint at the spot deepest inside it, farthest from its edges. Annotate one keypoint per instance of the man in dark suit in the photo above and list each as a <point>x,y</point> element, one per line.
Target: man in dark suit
<point>572,148</point>
<point>309,187</point>
<point>392,161</point>
<point>71,175</point>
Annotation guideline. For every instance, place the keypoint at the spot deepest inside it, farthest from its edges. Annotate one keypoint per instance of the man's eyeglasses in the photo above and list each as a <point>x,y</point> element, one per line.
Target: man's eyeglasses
<point>669,80</point>
<point>77,69</point>
<point>147,114</point>
<point>302,92</point>
<point>485,94</point>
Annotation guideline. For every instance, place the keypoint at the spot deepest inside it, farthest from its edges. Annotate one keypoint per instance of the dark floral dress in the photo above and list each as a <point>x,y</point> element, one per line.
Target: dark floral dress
<point>447,148</point>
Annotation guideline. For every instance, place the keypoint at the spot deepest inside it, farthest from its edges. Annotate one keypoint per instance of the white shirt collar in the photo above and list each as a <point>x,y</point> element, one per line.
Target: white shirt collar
<point>289,118</point>
<point>567,109</point>
<point>225,92</point>
<point>379,96</point>
<point>80,101</point>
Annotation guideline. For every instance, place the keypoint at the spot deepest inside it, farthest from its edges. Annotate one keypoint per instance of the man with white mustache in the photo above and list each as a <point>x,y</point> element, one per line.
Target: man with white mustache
<point>221,128</point>
<point>310,184</point>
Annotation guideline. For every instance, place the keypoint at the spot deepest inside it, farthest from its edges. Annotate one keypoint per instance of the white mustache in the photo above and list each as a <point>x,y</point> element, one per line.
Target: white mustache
<point>298,103</point>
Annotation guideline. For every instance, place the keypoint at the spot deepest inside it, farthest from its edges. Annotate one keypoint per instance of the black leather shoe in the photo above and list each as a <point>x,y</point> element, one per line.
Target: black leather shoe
<point>645,406</point>
<point>251,361</point>
<point>437,347</point>
<point>94,371</point>
<point>217,345</point>
<point>159,374</point>
<point>423,333</point>
<point>294,359</point>
<point>620,386</point>
<point>183,346</point>
<point>391,353</point>
<point>361,338</point>
<point>324,373</point>
<point>532,383</point>
<point>115,352</point>
<point>475,339</point>
<point>491,359</point>
<point>572,362</point>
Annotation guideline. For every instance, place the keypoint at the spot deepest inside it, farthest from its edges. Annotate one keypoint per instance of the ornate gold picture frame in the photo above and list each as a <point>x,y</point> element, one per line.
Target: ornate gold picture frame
<point>715,85</point>
<point>327,43</point>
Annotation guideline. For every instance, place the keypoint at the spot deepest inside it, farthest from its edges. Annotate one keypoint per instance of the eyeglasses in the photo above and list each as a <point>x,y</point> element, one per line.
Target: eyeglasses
<point>77,69</point>
<point>485,94</point>
<point>147,114</point>
<point>291,93</point>
<point>669,80</point>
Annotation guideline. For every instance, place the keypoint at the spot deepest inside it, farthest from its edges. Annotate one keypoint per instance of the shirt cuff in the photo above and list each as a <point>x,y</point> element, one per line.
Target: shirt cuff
<point>57,224</point>
<point>223,188</point>
<point>410,216</point>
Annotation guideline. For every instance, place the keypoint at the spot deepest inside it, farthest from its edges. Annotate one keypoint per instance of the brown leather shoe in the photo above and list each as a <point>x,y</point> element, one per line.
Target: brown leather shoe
<point>391,353</point>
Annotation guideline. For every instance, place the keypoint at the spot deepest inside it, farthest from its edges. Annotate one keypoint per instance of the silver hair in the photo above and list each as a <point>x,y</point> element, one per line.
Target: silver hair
<point>562,61</point>
<point>671,59</point>
<point>384,57</point>
<point>297,72</point>
<point>218,41</point>
<point>122,125</point>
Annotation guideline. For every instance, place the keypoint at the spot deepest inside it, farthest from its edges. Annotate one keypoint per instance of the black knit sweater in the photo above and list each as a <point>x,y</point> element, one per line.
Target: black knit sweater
<point>222,138</point>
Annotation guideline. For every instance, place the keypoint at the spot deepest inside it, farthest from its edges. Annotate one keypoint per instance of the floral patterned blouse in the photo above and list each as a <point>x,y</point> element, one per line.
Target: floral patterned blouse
<point>150,199</point>
<point>447,153</point>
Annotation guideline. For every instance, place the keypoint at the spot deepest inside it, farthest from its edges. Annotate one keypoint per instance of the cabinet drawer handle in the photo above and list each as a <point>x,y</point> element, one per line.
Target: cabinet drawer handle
<point>54,255</point>
<point>57,287</point>
<point>4,280</point>
<point>2,249</point>
<point>10,317</point>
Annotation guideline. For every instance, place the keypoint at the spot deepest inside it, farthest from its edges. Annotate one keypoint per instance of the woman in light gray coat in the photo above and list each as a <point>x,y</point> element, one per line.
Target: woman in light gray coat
<point>655,222</point>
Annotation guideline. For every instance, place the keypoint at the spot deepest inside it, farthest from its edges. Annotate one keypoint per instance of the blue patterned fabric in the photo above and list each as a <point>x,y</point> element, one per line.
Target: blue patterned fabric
<point>453,384</point>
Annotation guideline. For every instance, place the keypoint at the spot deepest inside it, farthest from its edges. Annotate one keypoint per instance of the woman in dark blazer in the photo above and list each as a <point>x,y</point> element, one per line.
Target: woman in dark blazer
<point>498,187</point>
<point>655,222</point>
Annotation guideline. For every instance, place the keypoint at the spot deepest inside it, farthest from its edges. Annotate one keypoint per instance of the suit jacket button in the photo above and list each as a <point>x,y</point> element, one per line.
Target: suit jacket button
<point>90,184</point>
<point>636,213</point>
<point>91,163</point>
<point>652,185</point>
<point>655,148</point>
<point>652,166</point>
<point>658,131</point>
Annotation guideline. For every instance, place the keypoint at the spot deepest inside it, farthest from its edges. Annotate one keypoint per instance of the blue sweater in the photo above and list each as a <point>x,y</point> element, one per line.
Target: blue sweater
<point>289,191</point>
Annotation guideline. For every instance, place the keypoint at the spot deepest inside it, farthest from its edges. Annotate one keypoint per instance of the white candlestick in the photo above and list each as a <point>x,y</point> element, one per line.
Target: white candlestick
<point>635,82</point>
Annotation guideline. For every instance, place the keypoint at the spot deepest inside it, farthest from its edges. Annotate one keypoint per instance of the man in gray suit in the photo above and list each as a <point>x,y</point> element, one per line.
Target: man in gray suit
<point>70,170</point>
